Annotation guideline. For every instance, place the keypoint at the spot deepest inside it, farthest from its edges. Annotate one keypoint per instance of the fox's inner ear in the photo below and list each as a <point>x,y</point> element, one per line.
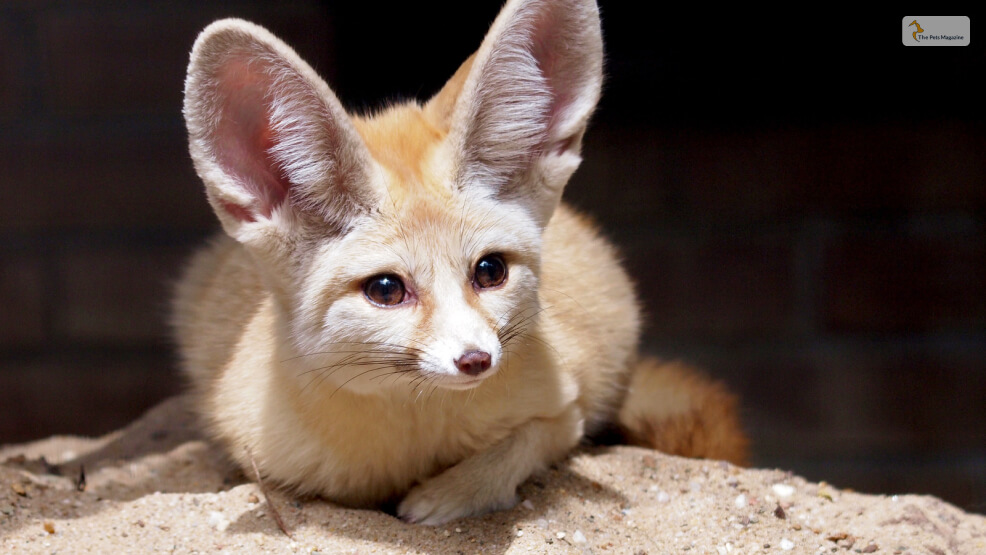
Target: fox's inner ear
<point>523,101</point>
<point>268,137</point>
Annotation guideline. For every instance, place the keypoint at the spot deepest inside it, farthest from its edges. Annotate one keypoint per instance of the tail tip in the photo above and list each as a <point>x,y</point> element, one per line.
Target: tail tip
<point>675,409</point>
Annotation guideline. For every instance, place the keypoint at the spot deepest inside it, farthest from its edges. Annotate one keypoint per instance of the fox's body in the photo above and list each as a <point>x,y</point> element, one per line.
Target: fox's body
<point>363,449</point>
<point>402,309</point>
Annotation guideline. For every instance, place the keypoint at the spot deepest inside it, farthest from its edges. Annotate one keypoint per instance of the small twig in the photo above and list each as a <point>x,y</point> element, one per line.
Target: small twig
<point>80,484</point>
<point>263,490</point>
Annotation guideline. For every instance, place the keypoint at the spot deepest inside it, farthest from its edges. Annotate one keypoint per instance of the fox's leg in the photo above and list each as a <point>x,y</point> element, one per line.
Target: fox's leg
<point>488,480</point>
<point>673,408</point>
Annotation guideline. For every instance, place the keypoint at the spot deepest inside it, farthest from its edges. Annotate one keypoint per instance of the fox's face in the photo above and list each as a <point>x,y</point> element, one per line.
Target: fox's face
<point>404,248</point>
<point>427,292</point>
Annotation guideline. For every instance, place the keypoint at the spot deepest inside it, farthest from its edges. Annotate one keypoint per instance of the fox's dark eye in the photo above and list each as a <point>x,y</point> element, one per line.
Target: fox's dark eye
<point>384,290</point>
<point>491,271</point>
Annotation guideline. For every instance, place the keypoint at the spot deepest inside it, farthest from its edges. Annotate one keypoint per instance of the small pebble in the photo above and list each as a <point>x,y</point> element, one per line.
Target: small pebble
<point>218,521</point>
<point>527,504</point>
<point>783,490</point>
<point>49,527</point>
<point>579,537</point>
<point>786,544</point>
<point>740,501</point>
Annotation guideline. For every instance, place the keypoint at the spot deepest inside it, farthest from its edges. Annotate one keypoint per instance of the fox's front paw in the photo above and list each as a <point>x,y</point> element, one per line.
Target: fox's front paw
<point>443,498</point>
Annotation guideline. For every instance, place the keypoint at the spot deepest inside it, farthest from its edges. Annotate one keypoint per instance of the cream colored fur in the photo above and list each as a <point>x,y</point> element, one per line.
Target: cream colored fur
<point>330,394</point>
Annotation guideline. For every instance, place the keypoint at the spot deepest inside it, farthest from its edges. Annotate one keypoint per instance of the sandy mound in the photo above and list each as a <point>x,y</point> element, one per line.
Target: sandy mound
<point>156,486</point>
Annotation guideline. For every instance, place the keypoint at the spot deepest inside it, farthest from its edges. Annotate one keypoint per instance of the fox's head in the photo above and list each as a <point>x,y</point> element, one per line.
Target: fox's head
<point>402,248</point>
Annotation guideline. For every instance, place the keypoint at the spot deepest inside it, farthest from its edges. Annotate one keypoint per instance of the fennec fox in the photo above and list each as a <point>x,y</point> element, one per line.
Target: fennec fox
<point>401,310</point>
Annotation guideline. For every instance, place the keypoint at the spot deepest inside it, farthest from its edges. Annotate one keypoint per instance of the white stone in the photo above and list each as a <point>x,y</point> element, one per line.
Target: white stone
<point>783,490</point>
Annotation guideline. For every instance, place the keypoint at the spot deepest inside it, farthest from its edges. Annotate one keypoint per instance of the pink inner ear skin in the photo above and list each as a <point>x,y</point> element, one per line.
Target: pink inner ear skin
<point>244,138</point>
<point>237,211</point>
<point>559,76</point>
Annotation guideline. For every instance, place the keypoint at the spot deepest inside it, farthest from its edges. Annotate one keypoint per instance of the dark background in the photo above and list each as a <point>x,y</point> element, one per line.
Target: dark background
<point>802,202</point>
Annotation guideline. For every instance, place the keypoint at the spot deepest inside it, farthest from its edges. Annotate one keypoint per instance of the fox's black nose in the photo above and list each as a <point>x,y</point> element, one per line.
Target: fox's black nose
<point>473,363</point>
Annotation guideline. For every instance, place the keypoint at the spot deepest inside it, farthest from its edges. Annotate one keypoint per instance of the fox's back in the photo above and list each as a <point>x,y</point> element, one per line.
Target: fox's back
<point>219,293</point>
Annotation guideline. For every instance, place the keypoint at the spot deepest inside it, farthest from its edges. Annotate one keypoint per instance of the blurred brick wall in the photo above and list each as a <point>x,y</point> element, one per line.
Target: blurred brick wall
<point>799,220</point>
<point>99,204</point>
<point>851,321</point>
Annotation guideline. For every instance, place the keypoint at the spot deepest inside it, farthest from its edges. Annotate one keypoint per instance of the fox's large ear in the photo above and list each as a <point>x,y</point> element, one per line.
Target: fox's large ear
<point>517,109</point>
<point>269,138</point>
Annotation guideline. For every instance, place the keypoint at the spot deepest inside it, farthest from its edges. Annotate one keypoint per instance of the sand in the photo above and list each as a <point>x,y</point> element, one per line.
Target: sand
<point>156,486</point>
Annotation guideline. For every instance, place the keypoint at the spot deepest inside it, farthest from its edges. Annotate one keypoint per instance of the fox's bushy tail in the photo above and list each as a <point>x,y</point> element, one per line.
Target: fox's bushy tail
<point>675,409</point>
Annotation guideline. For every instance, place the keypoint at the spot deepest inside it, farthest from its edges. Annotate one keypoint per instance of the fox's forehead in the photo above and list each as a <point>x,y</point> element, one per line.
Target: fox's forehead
<point>424,213</point>
<point>406,144</point>
<point>447,224</point>
<point>428,235</point>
